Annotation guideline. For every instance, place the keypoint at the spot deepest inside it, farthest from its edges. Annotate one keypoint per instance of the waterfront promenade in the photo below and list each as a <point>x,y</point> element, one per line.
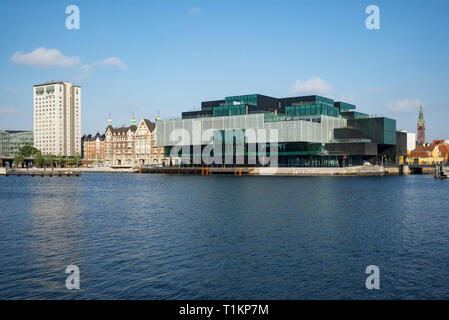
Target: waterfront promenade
<point>62,171</point>
<point>236,171</point>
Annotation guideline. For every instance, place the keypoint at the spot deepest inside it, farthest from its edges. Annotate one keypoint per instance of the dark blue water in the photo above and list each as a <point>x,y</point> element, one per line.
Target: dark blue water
<point>196,237</point>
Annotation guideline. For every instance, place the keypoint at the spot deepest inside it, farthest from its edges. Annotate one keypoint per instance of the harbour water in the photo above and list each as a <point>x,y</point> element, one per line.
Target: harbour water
<point>224,237</point>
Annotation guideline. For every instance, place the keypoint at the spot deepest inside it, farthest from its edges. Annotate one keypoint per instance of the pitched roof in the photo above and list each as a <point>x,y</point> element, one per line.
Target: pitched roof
<point>150,125</point>
<point>444,149</point>
<point>90,137</point>
<point>437,142</point>
<point>422,151</point>
<point>122,129</point>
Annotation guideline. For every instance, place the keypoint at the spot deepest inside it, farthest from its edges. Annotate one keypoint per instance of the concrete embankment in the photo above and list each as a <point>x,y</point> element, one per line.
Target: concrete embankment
<point>349,171</point>
<point>268,171</point>
<point>71,170</point>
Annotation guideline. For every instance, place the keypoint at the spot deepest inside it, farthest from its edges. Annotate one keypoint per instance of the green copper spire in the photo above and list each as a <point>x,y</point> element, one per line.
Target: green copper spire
<point>133,121</point>
<point>421,114</point>
<point>110,120</point>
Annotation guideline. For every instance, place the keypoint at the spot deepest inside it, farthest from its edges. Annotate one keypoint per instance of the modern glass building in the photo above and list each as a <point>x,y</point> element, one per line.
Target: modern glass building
<point>12,140</point>
<point>299,131</point>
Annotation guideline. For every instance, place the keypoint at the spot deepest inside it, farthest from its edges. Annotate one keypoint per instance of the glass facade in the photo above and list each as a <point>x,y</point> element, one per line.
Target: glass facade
<point>354,115</point>
<point>389,131</point>
<point>299,154</point>
<point>229,110</point>
<point>380,130</point>
<point>11,141</point>
<point>246,99</point>
<point>287,130</point>
<point>311,110</point>
<point>303,128</point>
<point>344,107</point>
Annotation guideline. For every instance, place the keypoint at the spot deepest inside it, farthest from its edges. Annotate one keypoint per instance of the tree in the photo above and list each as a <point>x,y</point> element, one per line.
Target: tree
<point>70,161</point>
<point>61,161</point>
<point>49,159</point>
<point>39,159</point>
<point>77,158</point>
<point>18,159</point>
<point>28,151</point>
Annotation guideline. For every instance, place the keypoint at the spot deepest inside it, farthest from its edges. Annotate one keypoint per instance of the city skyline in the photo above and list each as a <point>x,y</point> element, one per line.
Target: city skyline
<point>149,58</point>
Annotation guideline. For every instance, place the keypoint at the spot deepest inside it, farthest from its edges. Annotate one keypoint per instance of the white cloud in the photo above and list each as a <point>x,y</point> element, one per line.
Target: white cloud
<point>43,57</point>
<point>10,111</point>
<point>194,11</point>
<point>314,85</point>
<point>404,105</point>
<point>108,62</point>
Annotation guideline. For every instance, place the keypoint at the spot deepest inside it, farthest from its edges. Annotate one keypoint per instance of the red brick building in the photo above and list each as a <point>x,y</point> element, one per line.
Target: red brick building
<point>94,148</point>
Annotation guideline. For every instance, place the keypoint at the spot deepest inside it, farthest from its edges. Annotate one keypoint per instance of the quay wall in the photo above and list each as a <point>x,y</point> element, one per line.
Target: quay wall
<point>64,170</point>
<point>349,171</point>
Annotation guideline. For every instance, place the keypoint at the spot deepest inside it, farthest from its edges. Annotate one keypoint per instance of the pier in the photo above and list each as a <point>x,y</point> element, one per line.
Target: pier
<point>205,171</point>
<point>39,173</point>
<point>267,171</point>
<point>441,172</point>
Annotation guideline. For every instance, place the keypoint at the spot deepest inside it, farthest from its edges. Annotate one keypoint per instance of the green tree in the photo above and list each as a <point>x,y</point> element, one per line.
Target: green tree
<point>61,161</point>
<point>49,160</point>
<point>28,151</point>
<point>77,158</point>
<point>71,161</point>
<point>18,159</point>
<point>39,159</point>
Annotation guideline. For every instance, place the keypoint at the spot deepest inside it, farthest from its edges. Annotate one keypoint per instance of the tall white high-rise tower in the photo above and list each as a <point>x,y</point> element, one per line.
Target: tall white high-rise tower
<point>57,118</point>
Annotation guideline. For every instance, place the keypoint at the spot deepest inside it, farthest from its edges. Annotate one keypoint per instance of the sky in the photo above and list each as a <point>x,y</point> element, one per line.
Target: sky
<point>144,58</point>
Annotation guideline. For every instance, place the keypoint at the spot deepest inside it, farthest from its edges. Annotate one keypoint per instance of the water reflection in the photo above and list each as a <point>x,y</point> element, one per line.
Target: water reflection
<point>57,234</point>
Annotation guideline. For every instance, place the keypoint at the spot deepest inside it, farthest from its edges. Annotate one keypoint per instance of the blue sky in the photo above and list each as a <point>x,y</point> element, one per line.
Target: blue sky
<point>145,57</point>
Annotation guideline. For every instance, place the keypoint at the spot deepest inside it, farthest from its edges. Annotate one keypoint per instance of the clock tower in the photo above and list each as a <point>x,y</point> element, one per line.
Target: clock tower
<point>421,128</point>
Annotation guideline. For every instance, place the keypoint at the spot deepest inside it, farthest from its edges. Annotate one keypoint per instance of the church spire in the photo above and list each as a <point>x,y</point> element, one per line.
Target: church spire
<point>421,113</point>
<point>421,127</point>
<point>133,121</point>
